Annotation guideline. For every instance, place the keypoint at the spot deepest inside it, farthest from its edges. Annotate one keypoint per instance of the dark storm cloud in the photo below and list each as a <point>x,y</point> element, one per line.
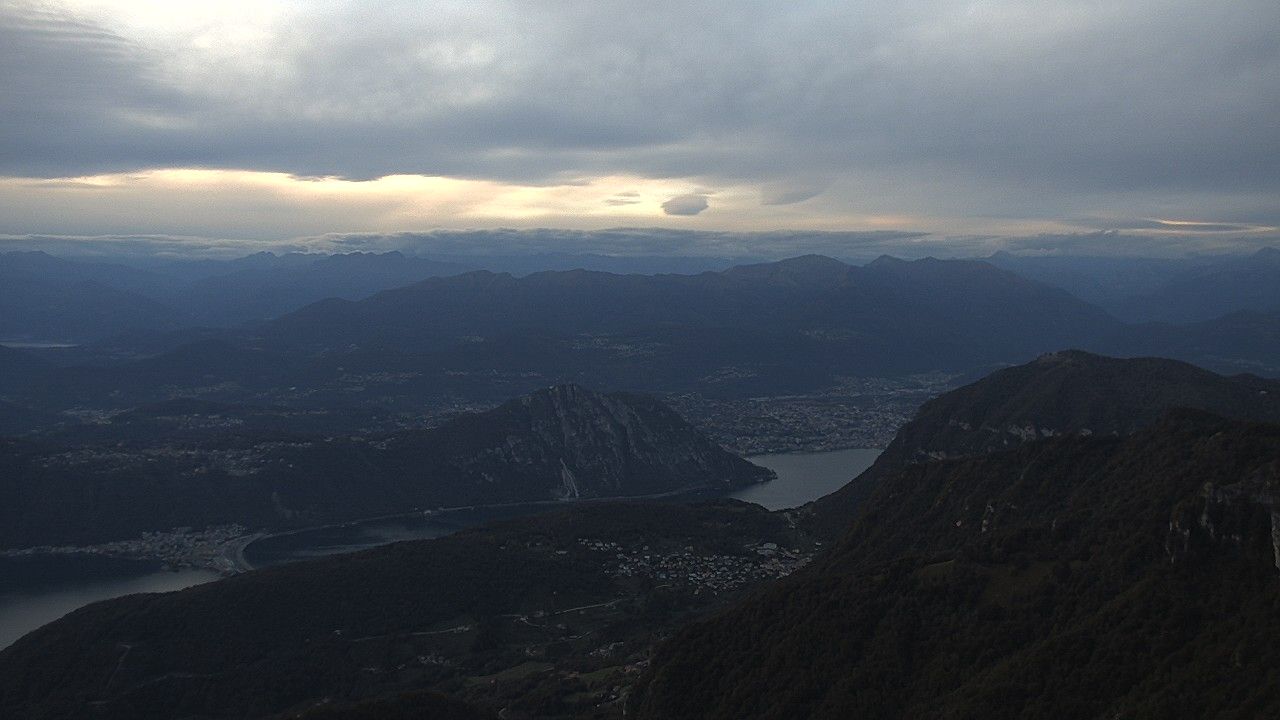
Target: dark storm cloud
<point>1010,106</point>
<point>72,97</point>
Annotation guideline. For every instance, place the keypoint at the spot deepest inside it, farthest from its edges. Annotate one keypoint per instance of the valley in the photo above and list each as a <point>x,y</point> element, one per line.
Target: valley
<point>606,610</point>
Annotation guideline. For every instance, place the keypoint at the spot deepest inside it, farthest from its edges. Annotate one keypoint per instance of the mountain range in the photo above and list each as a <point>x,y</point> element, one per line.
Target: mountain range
<point>795,326</point>
<point>1180,290</point>
<point>51,299</point>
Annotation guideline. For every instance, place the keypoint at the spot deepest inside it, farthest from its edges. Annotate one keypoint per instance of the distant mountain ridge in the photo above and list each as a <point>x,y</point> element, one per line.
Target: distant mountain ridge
<point>1182,290</point>
<point>795,326</point>
<point>801,321</point>
<point>44,298</point>
<point>1250,283</point>
<point>53,299</point>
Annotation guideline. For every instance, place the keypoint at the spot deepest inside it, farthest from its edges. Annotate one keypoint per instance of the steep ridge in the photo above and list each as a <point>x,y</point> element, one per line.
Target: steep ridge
<point>1069,577</point>
<point>560,443</point>
<point>1061,393</point>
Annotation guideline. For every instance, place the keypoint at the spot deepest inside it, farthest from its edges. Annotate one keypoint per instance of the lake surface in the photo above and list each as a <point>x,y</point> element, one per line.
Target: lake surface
<point>35,591</point>
<point>804,477</point>
<point>38,590</point>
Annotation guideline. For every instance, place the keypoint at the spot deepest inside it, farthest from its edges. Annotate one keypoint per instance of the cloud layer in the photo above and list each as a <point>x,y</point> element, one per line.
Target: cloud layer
<point>652,242</point>
<point>980,114</point>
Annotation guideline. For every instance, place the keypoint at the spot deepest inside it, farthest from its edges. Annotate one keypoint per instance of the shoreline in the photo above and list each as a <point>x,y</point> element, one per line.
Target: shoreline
<point>228,555</point>
<point>438,513</point>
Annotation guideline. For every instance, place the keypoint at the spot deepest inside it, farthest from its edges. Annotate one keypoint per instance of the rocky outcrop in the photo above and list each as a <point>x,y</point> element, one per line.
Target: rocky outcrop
<point>1244,515</point>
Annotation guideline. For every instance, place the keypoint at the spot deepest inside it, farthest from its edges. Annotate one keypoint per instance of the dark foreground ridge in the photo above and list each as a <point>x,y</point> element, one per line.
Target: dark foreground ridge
<point>1063,393</point>
<point>560,443</point>
<point>551,616</point>
<point>1070,577</point>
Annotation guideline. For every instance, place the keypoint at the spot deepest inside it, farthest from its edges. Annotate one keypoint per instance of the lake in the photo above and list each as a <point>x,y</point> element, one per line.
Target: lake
<point>39,590</point>
<point>35,591</point>
<point>804,477</point>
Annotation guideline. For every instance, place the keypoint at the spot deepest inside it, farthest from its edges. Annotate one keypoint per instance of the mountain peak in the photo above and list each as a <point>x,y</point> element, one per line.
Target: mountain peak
<point>886,261</point>
<point>810,261</point>
<point>1058,357</point>
<point>801,270</point>
<point>561,392</point>
<point>1070,392</point>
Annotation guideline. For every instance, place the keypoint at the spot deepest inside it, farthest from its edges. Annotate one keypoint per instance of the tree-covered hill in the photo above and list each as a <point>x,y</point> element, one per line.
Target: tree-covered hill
<point>1069,577</point>
<point>1062,393</point>
<point>560,443</point>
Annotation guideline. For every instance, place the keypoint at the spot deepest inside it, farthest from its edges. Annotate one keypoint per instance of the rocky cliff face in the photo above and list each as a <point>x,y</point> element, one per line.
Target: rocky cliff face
<point>1244,515</point>
<point>1062,393</point>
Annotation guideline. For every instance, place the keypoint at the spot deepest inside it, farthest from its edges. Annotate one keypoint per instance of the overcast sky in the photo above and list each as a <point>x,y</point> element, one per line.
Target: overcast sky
<point>278,120</point>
